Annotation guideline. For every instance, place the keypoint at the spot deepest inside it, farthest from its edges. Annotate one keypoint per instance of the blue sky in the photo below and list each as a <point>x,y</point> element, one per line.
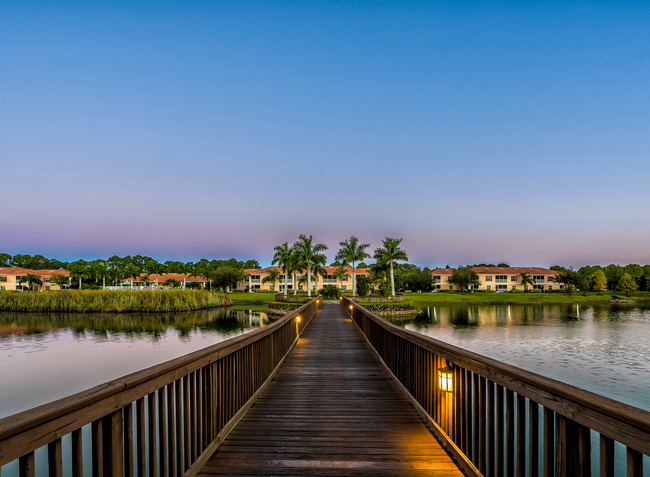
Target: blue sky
<point>477,131</point>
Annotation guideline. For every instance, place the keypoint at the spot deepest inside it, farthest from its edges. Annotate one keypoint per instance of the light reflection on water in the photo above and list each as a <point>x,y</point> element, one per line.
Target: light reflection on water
<point>47,356</point>
<point>604,349</point>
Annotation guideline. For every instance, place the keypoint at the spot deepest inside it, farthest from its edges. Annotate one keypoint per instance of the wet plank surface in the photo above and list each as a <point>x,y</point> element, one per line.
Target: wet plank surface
<point>331,410</point>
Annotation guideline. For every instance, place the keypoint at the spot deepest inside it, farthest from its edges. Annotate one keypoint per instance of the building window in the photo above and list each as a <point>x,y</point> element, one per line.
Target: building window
<point>538,287</point>
<point>513,278</point>
<point>345,279</point>
<point>501,279</point>
<point>47,279</point>
<point>538,279</point>
<point>436,279</point>
<point>489,287</point>
<point>437,287</point>
<point>513,287</point>
<point>451,287</point>
<point>344,287</point>
<point>255,279</point>
<point>47,288</point>
<point>502,287</point>
<point>2,288</point>
<point>488,279</point>
<point>18,277</point>
<point>550,279</point>
<point>3,279</point>
<point>256,287</point>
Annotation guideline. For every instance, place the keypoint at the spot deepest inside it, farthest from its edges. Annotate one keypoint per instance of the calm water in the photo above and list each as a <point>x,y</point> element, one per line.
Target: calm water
<point>47,356</point>
<point>604,349</point>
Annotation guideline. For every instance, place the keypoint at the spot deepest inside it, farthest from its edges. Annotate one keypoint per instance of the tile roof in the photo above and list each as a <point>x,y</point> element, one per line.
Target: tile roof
<point>179,277</point>
<point>25,271</point>
<point>330,270</point>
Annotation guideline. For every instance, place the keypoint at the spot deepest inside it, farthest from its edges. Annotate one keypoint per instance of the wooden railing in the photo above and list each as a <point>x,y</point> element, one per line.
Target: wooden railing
<point>377,298</point>
<point>163,421</point>
<point>500,420</point>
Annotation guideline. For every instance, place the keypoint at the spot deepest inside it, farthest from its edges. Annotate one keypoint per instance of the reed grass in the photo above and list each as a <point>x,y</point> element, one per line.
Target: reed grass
<point>147,301</point>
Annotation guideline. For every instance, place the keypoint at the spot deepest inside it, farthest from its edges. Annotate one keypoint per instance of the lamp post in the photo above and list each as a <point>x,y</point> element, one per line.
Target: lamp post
<point>446,378</point>
<point>297,329</point>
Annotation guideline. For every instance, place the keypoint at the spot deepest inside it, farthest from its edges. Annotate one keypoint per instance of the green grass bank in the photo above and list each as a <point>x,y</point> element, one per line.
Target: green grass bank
<point>520,298</point>
<point>145,301</point>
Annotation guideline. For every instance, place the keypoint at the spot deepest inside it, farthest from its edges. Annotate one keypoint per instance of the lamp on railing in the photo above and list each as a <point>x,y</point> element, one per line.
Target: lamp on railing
<point>297,329</point>
<point>446,378</point>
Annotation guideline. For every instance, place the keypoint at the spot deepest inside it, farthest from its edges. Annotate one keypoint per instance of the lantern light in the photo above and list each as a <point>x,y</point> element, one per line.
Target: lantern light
<point>446,378</point>
<point>350,307</point>
<point>298,319</point>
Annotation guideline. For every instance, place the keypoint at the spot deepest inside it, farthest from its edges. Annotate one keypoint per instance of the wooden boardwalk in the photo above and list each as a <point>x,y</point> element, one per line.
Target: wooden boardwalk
<point>331,410</point>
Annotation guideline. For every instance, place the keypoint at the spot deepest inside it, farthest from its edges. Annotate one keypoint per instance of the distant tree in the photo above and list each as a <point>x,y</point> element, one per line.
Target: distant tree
<point>154,267</point>
<point>100,269</point>
<point>282,256</point>
<point>309,254</point>
<point>227,276</point>
<point>363,286</point>
<point>463,278</point>
<point>193,285</point>
<point>335,264</point>
<point>5,260</point>
<point>59,279</point>
<point>419,280</point>
<point>526,279</point>
<point>251,264</point>
<point>613,273</point>
<point>362,265</point>
<point>626,284</point>
<point>272,277</point>
<point>558,268</point>
<point>78,270</point>
<point>30,279</point>
<point>600,281</point>
<point>503,265</point>
<point>390,253</point>
<point>171,283</point>
<point>570,278</point>
<point>340,274</point>
<point>352,251</point>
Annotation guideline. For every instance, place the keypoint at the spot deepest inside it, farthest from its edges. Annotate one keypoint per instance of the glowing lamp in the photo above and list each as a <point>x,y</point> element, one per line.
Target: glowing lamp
<point>350,307</point>
<point>317,302</point>
<point>446,378</point>
<point>297,319</point>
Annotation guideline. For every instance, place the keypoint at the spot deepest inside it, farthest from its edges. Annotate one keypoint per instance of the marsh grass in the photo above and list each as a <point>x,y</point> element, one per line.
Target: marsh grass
<point>146,301</point>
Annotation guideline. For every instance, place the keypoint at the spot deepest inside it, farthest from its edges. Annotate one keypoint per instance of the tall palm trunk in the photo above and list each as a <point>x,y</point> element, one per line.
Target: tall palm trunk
<point>103,282</point>
<point>286,281</point>
<point>295,285</point>
<point>392,280</point>
<point>354,281</point>
<point>308,281</point>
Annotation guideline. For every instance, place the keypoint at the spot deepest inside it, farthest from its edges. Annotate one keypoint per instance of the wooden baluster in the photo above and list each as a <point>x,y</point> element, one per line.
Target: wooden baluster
<point>521,436</point>
<point>458,406</point>
<point>510,433</point>
<point>171,441</point>
<point>141,457</point>
<point>470,414</point>
<point>501,426</point>
<point>634,463</point>
<point>128,437</point>
<point>572,458</point>
<point>114,444</point>
<point>533,439</point>
<point>463,406</point>
<point>162,433</point>
<point>153,458</point>
<point>483,426</point>
<point>97,448</point>
<point>26,465</point>
<point>606,456</point>
<point>549,443</point>
<point>77,454</point>
<point>477,418</point>
<point>491,434</point>
<point>187,423</point>
<point>55,459</point>
<point>179,426</point>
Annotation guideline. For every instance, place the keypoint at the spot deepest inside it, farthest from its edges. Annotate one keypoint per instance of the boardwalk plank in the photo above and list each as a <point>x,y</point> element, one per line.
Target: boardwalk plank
<point>331,410</point>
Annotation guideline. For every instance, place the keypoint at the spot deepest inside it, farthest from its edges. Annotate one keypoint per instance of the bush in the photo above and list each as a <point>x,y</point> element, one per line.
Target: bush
<point>363,286</point>
<point>331,291</point>
<point>384,288</point>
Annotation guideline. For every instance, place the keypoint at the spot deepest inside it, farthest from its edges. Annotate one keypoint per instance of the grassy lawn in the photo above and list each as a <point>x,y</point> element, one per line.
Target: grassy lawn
<point>238,297</point>
<point>454,297</point>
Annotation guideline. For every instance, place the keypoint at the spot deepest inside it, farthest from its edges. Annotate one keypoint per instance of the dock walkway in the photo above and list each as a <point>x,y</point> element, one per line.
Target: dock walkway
<point>331,410</point>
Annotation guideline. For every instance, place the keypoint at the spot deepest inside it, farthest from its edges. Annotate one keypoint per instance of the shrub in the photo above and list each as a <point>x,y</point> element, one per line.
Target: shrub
<point>331,291</point>
<point>384,288</point>
<point>363,286</point>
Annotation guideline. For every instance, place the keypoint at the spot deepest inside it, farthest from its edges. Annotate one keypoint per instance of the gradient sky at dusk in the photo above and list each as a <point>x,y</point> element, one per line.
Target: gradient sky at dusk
<point>477,131</point>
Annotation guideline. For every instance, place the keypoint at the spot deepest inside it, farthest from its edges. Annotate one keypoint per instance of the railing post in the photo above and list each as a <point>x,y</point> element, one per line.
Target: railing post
<point>572,449</point>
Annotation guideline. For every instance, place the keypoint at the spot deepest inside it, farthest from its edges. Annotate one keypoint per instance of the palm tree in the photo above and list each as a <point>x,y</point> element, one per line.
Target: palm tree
<point>340,274</point>
<point>318,270</point>
<point>156,268</point>
<point>273,277</point>
<point>352,251</point>
<point>526,279</point>
<point>133,272</point>
<point>309,254</point>
<point>184,269</point>
<point>282,257</point>
<point>389,253</point>
<point>78,270</point>
<point>296,266</point>
<point>30,279</point>
<point>100,269</point>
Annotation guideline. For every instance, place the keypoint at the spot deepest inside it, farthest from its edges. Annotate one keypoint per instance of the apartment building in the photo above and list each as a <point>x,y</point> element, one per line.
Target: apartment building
<point>150,280</point>
<point>500,279</point>
<point>255,276</point>
<point>10,278</point>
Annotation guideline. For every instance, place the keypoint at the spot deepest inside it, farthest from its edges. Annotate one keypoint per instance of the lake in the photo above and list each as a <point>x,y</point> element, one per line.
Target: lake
<point>48,356</point>
<point>601,348</point>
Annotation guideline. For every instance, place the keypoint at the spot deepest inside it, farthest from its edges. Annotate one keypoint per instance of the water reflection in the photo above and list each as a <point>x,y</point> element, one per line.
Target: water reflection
<point>601,348</point>
<point>47,356</point>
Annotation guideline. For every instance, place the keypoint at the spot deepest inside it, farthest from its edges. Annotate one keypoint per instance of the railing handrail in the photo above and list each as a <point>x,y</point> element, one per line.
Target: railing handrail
<point>25,420</point>
<point>492,369</point>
